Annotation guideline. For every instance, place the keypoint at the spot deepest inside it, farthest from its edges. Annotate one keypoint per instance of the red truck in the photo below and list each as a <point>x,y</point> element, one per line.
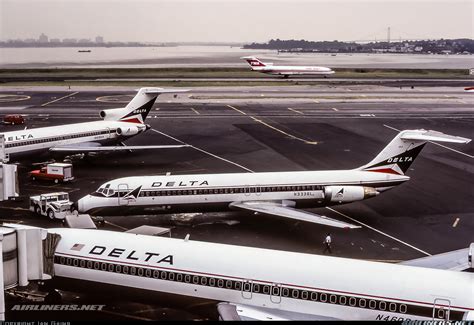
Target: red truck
<point>13,119</point>
<point>57,172</point>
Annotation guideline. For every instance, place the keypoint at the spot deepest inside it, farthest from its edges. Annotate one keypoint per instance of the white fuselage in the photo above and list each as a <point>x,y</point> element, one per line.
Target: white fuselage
<point>302,284</point>
<point>215,192</point>
<point>294,70</point>
<point>42,139</point>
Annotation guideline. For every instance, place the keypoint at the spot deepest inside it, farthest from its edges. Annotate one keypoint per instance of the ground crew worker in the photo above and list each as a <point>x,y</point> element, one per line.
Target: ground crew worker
<point>327,244</point>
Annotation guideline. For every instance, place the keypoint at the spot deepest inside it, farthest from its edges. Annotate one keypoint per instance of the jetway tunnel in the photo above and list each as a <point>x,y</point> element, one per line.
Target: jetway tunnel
<point>27,255</point>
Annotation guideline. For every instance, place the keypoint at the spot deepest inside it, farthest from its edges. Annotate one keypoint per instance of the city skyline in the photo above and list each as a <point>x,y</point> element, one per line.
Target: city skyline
<point>236,20</point>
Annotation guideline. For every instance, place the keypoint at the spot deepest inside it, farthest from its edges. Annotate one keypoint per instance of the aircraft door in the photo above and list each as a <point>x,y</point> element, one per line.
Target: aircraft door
<point>108,135</point>
<point>247,190</point>
<point>247,289</point>
<point>441,309</point>
<point>122,191</point>
<point>275,293</point>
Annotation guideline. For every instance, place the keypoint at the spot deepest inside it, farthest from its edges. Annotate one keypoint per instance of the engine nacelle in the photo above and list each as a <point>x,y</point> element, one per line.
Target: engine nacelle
<point>128,131</point>
<point>345,194</point>
<point>113,114</point>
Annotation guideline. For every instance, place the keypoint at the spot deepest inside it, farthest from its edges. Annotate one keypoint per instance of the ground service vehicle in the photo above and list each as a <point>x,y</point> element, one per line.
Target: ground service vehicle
<point>54,205</point>
<point>56,172</point>
<point>13,119</point>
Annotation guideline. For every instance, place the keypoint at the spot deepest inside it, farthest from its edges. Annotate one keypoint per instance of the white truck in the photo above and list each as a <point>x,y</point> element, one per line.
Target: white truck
<point>54,205</point>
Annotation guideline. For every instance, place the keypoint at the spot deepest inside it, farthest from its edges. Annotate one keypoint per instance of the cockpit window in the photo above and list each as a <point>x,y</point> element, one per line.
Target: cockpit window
<point>106,191</point>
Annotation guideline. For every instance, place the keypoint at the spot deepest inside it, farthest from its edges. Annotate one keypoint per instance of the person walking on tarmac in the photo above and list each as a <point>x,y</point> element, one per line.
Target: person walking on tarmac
<point>327,244</point>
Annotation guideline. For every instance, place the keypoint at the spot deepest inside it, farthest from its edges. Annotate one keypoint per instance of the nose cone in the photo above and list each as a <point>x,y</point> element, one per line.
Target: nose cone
<point>83,204</point>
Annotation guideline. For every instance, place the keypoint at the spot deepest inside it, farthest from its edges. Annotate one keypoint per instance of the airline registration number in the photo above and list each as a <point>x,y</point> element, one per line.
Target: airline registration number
<point>303,194</point>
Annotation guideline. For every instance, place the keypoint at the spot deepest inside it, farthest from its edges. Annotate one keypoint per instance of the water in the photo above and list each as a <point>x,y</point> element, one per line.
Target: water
<point>214,56</point>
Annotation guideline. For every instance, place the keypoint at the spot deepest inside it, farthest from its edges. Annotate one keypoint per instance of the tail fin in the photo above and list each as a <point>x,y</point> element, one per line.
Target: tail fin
<point>400,153</point>
<point>137,110</point>
<point>253,61</point>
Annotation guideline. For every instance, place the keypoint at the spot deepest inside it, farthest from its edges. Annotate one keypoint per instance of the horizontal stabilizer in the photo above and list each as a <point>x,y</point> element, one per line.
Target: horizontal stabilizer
<point>80,149</point>
<point>283,210</point>
<point>157,91</point>
<point>430,135</point>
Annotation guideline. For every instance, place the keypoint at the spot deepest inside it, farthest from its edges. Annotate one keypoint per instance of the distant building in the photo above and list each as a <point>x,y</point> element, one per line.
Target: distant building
<point>84,40</point>
<point>55,40</point>
<point>69,40</point>
<point>418,48</point>
<point>43,38</point>
<point>30,40</point>
<point>99,39</point>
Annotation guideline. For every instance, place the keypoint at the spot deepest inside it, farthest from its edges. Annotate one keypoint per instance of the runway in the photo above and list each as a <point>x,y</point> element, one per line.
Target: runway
<point>300,128</point>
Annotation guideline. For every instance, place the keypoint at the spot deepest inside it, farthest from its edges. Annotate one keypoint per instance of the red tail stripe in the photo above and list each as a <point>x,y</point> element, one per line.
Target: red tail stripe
<point>384,170</point>
<point>133,120</point>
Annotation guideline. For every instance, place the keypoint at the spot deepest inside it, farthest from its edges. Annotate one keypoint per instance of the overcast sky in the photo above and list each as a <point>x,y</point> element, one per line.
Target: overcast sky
<point>236,20</point>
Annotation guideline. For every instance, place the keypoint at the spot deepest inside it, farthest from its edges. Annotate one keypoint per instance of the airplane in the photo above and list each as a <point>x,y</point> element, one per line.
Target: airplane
<point>285,71</point>
<point>279,194</point>
<point>469,89</point>
<point>118,125</point>
<point>250,283</point>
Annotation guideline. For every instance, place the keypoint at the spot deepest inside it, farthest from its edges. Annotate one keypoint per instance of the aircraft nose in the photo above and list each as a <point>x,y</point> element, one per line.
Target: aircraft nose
<point>82,204</point>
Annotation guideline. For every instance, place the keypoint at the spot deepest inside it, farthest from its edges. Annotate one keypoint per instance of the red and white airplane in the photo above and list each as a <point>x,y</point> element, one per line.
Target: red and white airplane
<point>285,71</point>
<point>118,125</point>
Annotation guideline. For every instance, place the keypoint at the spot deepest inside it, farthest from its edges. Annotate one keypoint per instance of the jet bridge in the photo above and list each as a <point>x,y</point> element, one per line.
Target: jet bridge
<point>8,175</point>
<point>27,255</point>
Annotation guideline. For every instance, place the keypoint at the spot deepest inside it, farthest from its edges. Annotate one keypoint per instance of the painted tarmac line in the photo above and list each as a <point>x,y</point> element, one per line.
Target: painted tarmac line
<point>294,110</point>
<point>195,111</point>
<point>273,128</point>
<point>58,99</point>
<point>113,224</point>
<point>378,231</point>
<point>456,222</point>
<point>454,150</point>
<point>204,151</point>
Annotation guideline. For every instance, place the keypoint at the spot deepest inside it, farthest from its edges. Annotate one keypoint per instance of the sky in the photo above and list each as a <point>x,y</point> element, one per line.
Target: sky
<point>236,20</point>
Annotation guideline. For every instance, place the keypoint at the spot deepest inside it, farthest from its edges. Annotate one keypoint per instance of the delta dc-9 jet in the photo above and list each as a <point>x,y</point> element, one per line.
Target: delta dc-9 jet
<point>280,194</point>
<point>247,283</point>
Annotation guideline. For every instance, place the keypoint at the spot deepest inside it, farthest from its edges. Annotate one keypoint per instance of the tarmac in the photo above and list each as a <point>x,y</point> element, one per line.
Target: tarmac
<point>257,129</point>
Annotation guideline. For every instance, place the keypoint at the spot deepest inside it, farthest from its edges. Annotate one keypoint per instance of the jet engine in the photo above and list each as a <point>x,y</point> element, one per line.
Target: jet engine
<point>128,131</point>
<point>113,114</point>
<point>344,194</point>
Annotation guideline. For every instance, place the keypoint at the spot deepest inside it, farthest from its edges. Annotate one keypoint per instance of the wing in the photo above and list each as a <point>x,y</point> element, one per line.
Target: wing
<point>458,260</point>
<point>230,311</point>
<point>281,209</point>
<point>96,147</point>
